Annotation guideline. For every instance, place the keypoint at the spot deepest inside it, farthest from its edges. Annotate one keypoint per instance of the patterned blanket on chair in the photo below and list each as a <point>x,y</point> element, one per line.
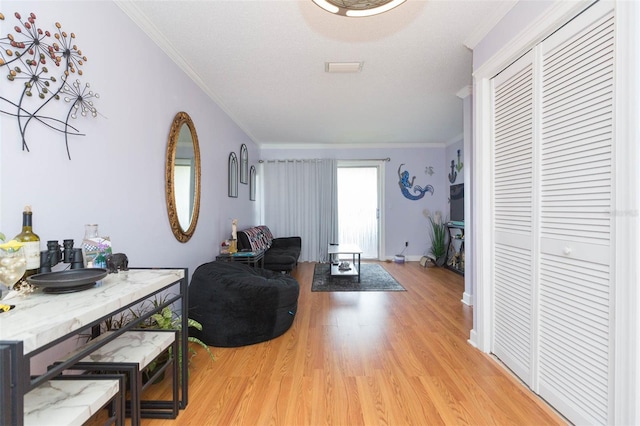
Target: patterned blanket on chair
<point>260,237</point>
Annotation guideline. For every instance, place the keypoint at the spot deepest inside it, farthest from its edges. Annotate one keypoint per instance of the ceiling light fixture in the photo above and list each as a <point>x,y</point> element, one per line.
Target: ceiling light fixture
<point>358,8</point>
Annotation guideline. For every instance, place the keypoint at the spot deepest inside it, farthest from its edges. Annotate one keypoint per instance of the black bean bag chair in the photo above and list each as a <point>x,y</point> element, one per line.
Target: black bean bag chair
<point>239,305</point>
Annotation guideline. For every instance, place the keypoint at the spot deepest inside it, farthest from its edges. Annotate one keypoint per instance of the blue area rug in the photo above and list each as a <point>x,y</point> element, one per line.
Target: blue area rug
<point>373,277</point>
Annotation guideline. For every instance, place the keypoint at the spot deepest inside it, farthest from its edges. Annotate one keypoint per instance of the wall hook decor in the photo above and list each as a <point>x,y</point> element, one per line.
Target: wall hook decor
<point>406,185</point>
<point>453,175</point>
<point>460,164</point>
<point>26,54</point>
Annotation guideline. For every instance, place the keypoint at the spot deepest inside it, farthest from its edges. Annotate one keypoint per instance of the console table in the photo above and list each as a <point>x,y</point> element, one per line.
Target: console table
<point>41,321</point>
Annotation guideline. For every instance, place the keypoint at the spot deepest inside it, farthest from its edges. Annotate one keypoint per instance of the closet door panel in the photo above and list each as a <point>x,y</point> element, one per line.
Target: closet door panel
<point>575,218</point>
<point>512,202</point>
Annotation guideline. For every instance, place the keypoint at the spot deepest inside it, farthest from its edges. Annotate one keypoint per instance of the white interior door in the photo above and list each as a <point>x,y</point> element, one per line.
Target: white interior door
<point>553,194</point>
<point>576,188</point>
<point>513,207</point>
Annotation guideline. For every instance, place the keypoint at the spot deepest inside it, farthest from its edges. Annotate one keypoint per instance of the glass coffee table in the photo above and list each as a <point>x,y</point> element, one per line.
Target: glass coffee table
<point>335,250</point>
<point>251,258</point>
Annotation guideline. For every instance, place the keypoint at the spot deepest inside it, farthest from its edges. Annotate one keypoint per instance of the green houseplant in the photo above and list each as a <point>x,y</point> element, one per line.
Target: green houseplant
<point>438,234</point>
<point>166,319</point>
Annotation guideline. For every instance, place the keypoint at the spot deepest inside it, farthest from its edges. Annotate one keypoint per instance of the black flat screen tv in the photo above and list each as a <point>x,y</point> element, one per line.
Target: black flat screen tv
<point>456,203</point>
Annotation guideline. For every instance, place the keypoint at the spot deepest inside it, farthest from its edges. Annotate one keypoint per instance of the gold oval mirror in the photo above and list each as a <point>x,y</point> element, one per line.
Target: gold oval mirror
<point>182,177</point>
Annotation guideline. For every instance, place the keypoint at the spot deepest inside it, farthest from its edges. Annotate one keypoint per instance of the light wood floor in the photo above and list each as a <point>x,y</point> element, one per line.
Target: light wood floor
<point>363,358</point>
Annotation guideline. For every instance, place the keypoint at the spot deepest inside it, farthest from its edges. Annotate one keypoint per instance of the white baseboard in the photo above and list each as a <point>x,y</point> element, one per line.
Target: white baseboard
<point>407,258</point>
<point>472,338</point>
<point>467,299</point>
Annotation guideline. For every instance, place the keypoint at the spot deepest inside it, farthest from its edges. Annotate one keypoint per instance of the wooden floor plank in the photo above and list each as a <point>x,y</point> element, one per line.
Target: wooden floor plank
<point>363,358</point>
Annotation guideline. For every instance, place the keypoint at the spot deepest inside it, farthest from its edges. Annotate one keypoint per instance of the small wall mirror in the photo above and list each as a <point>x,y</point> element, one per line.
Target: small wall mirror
<point>244,164</point>
<point>252,183</point>
<point>182,177</point>
<point>233,175</point>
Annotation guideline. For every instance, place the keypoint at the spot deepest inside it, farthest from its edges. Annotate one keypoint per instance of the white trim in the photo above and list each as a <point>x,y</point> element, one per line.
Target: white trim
<point>557,14</point>
<point>455,139</point>
<point>379,165</point>
<point>626,217</point>
<point>467,153</point>
<point>333,147</point>
<point>472,339</point>
<point>481,241</point>
<point>467,299</point>
<point>466,91</point>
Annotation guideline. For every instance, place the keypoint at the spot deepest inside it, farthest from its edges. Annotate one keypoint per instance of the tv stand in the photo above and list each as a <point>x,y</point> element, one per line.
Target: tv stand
<point>455,249</point>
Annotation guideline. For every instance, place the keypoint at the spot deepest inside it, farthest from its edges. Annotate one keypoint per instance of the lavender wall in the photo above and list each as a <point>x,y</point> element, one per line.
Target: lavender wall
<point>116,174</point>
<point>404,220</point>
<point>520,15</point>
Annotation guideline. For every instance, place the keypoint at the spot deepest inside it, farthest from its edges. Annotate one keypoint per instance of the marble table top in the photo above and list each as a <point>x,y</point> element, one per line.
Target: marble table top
<point>40,318</point>
<point>67,402</point>
<point>139,347</point>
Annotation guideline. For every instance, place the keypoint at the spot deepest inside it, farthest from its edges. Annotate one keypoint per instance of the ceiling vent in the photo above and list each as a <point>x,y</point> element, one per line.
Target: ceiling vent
<point>342,67</point>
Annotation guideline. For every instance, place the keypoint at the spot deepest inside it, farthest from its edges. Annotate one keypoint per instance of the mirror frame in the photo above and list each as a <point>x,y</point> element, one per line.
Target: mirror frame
<point>252,183</point>
<point>244,164</point>
<point>181,234</point>
<point>233,175</point>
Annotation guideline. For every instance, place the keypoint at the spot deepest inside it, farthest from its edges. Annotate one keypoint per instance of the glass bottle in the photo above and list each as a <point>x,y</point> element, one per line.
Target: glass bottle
<point>31,241</point>
<point>13,263</point>
<point>95,248</point>
<point>100,261</point>
<point>90,231</point>
<point>90,244</point>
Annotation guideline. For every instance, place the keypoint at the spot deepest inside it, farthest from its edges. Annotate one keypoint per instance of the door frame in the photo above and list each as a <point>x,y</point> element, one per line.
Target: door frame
<point>379,165</point>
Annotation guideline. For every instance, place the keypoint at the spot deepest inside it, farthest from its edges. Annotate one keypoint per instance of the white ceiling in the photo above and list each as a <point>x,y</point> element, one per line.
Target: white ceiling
<point>263,62</point>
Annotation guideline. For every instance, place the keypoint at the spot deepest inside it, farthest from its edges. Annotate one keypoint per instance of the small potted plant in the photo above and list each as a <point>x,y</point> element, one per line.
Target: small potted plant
<point>167,319</point>
<point>438,234</point>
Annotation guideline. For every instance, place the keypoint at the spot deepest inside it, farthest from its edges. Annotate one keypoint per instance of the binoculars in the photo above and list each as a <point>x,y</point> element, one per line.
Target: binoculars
<point>55,254</point>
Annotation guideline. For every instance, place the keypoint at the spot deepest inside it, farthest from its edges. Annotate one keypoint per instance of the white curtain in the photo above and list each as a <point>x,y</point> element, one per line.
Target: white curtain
<point>300,199</point>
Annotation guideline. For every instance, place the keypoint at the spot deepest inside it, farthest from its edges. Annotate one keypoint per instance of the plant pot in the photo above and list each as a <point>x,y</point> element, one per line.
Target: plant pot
<point>148,375</point>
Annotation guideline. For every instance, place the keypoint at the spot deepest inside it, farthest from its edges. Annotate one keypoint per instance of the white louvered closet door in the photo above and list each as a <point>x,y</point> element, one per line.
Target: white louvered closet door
<point>553,146</point>
<point>513,189</point>
<point>575,333</point>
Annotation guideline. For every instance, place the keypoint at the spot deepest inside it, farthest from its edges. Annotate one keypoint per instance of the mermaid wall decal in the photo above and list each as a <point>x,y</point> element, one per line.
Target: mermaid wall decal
<point>406,186</point>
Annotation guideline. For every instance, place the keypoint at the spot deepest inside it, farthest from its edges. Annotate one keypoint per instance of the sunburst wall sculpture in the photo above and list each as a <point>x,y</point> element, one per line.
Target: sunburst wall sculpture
<point>26,54</point>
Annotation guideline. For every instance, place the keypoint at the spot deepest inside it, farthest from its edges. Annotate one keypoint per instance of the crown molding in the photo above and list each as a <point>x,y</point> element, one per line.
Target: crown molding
<point>455,139</point>
<point>465,91</point>
<point>333,147</point>
<point>155,34</point>
<point>487,25</point>
<point>545,24</point>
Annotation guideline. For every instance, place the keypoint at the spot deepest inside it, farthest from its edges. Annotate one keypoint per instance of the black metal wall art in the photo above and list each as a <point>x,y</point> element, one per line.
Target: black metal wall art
<point>27,54</point>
